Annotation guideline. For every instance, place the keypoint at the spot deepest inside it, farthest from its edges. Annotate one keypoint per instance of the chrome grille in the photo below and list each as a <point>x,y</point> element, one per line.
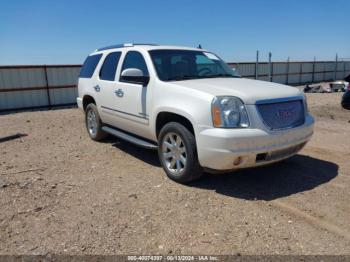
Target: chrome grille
<point>282,115</point>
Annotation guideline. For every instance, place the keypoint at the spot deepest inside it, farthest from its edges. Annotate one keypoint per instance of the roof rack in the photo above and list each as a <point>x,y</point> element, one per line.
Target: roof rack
<point>122,45</point>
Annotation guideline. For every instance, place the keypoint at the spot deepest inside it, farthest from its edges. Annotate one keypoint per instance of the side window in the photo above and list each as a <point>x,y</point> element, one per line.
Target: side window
<point>88,68</point>
<point>109,66</point>
<point>134,59</point>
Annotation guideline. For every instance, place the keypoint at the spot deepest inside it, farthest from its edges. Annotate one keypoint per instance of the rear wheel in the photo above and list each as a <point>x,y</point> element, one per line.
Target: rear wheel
<point>93,123</point>
<point>178,153</point>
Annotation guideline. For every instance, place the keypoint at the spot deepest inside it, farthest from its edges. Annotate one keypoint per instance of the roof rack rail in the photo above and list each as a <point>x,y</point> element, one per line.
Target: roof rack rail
<point>122,45</point>
<point>144,44</point>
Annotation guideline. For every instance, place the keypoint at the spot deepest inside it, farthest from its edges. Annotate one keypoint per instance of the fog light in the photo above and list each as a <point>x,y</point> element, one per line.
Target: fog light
<point>237,161</point>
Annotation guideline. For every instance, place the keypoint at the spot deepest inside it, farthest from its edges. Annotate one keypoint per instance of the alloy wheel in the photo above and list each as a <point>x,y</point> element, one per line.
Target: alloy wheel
<point>174,153</point>
<point>92,122</point>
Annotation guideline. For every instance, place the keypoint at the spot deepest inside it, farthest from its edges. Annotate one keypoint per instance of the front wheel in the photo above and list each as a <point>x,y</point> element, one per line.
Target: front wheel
<point>177,153</point>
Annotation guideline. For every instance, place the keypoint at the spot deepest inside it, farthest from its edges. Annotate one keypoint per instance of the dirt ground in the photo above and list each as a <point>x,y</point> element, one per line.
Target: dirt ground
<point>62,193</point>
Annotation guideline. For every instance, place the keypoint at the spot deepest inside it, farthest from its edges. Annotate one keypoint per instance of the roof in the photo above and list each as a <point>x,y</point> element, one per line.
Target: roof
<point>122,45</point>
<point>147,47</point>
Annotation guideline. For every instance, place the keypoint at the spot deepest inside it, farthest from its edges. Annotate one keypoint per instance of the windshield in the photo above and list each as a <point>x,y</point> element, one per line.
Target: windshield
<point>176,65</point>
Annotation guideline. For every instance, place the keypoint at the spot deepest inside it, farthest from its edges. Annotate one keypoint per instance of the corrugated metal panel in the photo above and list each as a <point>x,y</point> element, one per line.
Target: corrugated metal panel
<point>294,68</point>
<point>294,79</point>
<point>347,66</point>
<point>23,77</point>
<point>263,69</point>
<point>15,100</point>
<point>33,88</point>
<point>306,78</point>
<point>329,66</point>
<point>279,68</point>
<point>318,77</point>
<point>307,67</point>
<point>282,79</point>
<point>63,96</point>
<point>58,76</point>
<point>246,69</point>
<point>263,78</point>
<point>340,75</point>
<point>328,76</point>
<point>319,67</point>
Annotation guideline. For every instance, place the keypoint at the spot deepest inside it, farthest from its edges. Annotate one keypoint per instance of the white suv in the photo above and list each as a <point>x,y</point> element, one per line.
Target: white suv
<point>192,107</point>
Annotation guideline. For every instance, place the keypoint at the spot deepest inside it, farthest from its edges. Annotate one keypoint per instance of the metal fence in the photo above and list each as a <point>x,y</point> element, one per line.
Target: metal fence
<point>294,73</point>
<point>29,87</point>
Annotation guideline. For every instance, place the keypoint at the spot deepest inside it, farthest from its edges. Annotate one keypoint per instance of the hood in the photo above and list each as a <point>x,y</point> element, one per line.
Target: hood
<point>248,90</point>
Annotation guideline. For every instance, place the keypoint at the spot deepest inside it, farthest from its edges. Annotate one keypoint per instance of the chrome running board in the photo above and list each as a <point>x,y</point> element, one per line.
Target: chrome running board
<point>129,138</point>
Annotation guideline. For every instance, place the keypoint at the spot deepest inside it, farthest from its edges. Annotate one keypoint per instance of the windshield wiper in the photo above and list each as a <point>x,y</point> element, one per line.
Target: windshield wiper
<point>188,77</point>
<point>185,77</point>
<point>220,75</point>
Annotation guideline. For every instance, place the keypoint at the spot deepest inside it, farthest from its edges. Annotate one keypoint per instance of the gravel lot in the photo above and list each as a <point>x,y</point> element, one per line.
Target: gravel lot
<point>62,193</point>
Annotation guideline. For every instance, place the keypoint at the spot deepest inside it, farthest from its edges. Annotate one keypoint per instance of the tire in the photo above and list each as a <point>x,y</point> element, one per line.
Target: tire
<point>346,100</point>
<point>93,123</point>
<point>177,153</point>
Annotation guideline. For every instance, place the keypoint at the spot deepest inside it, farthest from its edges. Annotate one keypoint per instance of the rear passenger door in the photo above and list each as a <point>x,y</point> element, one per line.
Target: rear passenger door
<point>106,84</point>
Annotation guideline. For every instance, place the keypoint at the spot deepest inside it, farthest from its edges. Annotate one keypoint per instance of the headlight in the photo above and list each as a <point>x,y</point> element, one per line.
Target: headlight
<point>229,111</point>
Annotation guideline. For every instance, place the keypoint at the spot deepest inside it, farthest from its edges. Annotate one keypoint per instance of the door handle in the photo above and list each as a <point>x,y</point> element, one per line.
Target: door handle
<point>119,93</point>
<point>97,88</point>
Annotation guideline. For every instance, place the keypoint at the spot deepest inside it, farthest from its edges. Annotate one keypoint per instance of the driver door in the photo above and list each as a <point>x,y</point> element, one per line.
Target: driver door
<point>128,100</point>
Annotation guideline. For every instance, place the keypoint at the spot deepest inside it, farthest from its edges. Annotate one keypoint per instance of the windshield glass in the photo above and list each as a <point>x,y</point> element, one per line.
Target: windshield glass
<point>176,65</point>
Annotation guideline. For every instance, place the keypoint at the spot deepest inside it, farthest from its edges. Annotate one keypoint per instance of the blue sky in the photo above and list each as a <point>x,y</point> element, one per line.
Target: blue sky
<point>64,32</point>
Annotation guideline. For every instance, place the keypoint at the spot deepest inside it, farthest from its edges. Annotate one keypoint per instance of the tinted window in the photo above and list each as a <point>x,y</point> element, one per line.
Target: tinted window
<point>109,66</point>
<point>89,66</point>
<point>134,59</point>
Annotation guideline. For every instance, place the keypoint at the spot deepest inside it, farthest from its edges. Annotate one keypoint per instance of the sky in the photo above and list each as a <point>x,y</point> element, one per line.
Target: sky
<point>66,31</point>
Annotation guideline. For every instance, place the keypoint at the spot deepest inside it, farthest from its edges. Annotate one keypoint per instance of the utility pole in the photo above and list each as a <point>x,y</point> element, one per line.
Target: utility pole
<point>287,71</point>
<point>270,67</point>
<point>313,70</point>
<point>335,67</point>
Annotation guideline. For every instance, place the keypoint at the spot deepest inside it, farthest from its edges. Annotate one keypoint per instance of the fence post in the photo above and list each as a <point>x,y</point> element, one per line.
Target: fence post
<point>257,65</point>
<point>313,70</point>
<point>287,73</point>
<point>47,87</point>
<point>270,68</point>
<point>335,67</point>
<point>324,72</point>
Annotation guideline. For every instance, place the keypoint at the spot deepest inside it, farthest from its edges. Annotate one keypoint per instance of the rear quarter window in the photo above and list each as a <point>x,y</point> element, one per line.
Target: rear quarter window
<point>89,66</point>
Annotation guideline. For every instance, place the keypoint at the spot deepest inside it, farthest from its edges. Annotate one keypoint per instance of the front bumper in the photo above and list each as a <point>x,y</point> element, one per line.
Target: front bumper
<point>219,148</point>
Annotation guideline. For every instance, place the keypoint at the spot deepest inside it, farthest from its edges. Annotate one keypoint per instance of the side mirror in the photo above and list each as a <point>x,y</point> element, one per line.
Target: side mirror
<point>134,75</point>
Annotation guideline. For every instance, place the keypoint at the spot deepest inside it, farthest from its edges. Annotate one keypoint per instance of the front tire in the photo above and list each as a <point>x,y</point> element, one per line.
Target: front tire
<point>93,123</point>
<point>177,153</point>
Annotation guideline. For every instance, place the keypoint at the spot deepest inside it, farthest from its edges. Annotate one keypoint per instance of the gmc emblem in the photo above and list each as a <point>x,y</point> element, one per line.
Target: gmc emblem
<point>285,113</point>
